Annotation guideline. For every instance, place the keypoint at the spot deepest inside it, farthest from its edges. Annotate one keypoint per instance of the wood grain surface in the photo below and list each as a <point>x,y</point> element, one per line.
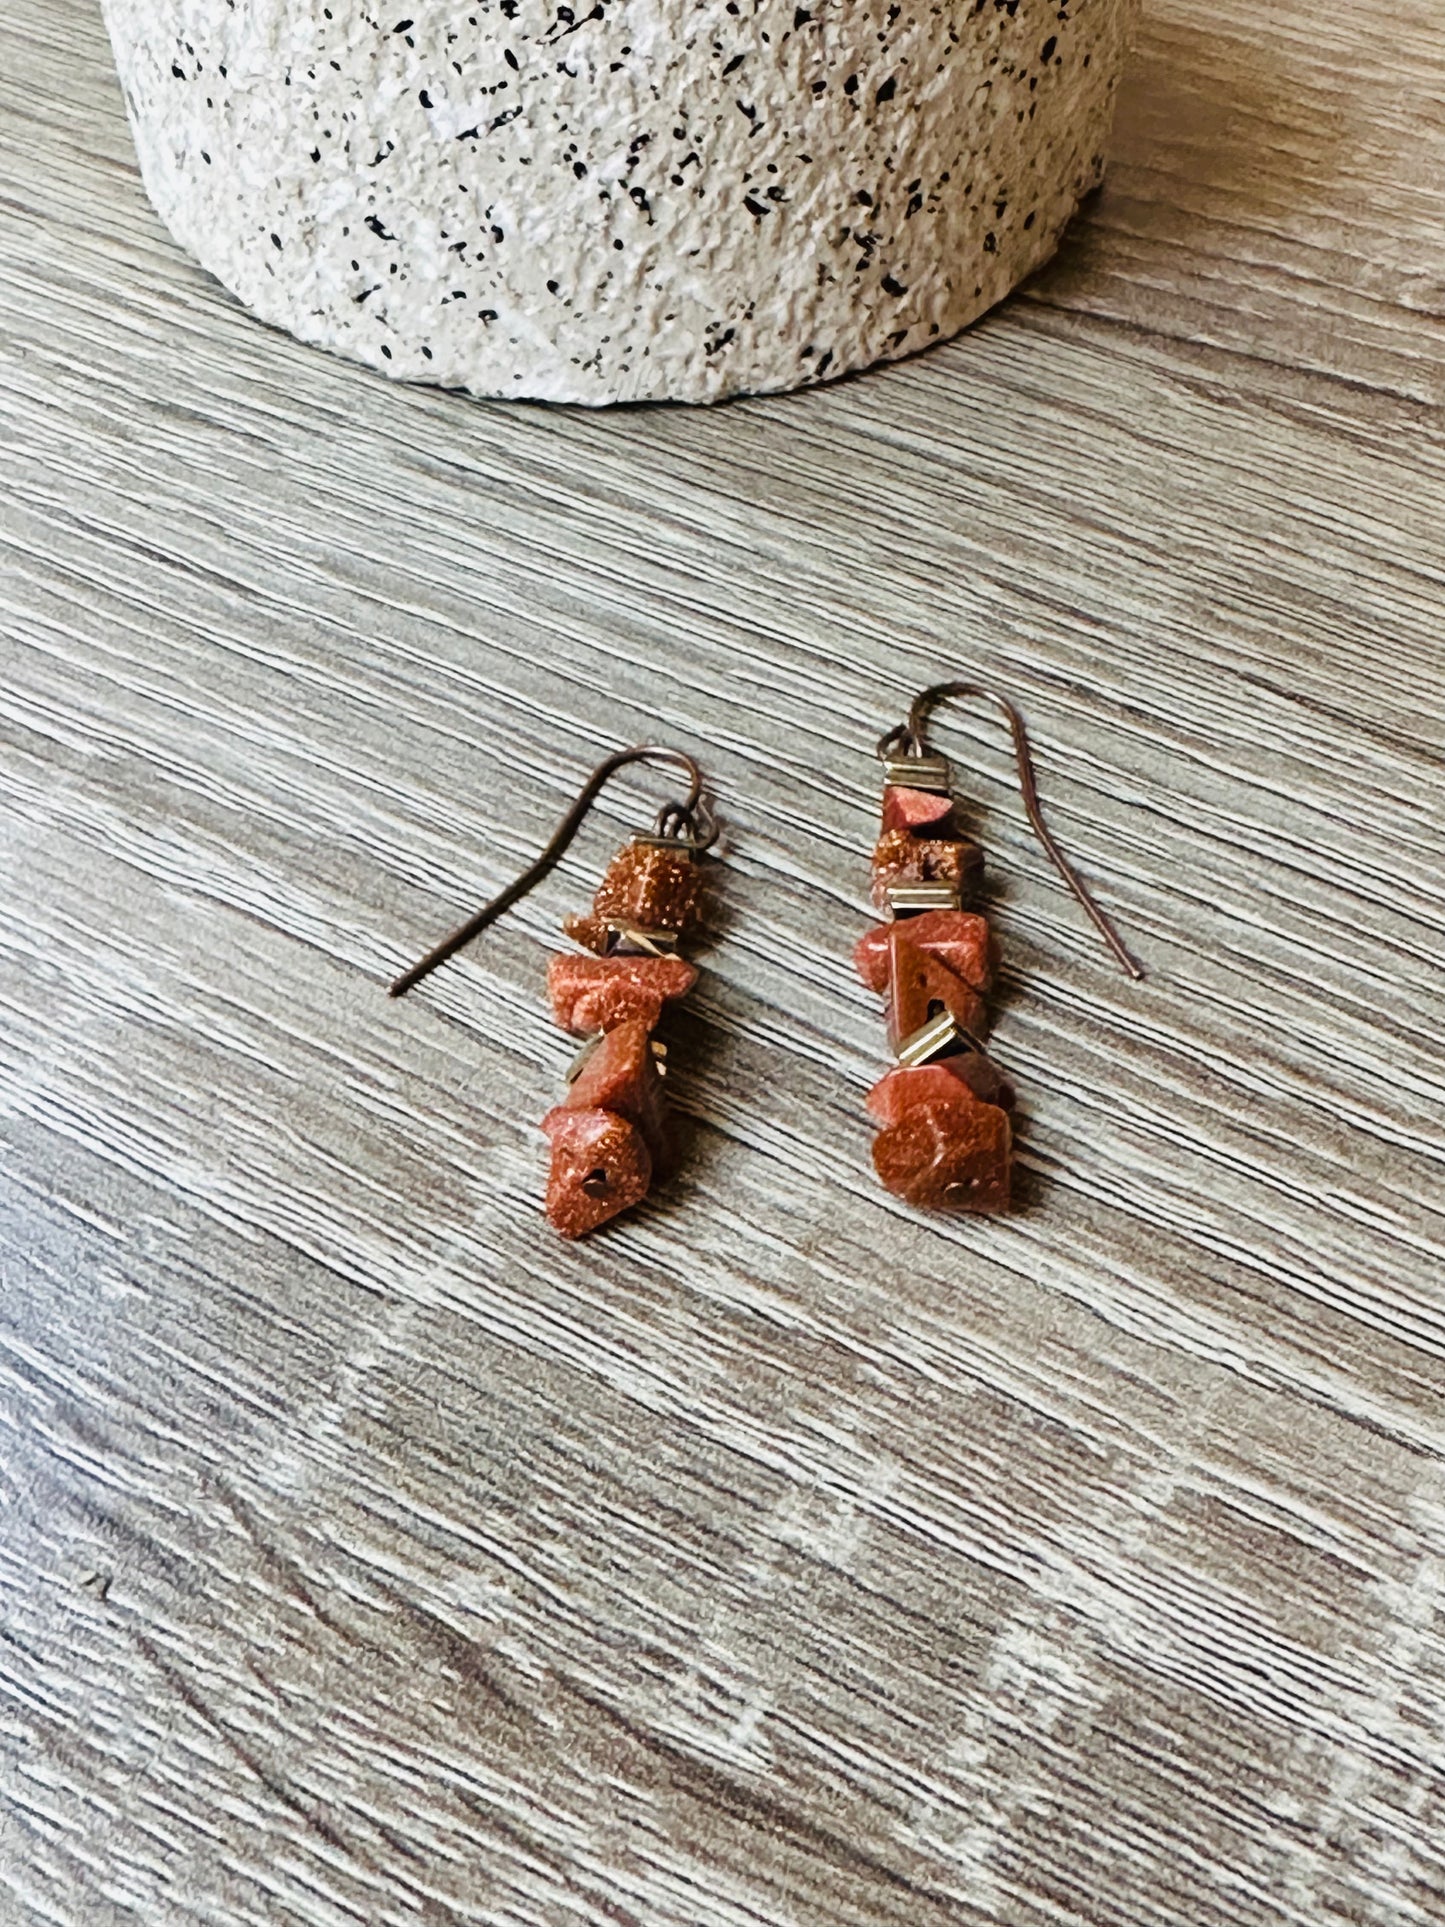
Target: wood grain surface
<point>781,1556</point>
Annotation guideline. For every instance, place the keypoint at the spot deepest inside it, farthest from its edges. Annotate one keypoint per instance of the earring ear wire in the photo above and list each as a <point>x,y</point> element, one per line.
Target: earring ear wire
<point>908,744</point>
<point>689,824</point>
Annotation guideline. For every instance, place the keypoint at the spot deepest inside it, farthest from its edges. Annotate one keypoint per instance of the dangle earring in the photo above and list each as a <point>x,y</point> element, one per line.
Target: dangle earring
<point>946,1139</point>
<point>609,1134</point>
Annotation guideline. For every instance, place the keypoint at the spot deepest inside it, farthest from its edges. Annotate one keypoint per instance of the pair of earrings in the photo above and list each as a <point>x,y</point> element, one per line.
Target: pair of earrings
<point>945,1138</point>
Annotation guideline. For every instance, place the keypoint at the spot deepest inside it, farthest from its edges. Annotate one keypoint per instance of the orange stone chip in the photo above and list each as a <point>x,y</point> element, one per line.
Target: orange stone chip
<point>901,1091</point>
<point>598,993</point>
<point>920,986</point>
<point>914,809</point>
<point>600,1166</point>
<point>957,938</point>
<point>950,1153</point>
<point>622,1075</point>
<point>902,857</point>
<point>652,886</point>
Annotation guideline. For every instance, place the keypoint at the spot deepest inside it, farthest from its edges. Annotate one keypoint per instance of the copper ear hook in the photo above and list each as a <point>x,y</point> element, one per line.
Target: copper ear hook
<point>689,822</point>
<point>912,738</point>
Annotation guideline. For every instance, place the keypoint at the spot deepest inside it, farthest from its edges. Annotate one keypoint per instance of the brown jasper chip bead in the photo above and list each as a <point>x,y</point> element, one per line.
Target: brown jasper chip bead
<point>914,809</point>
<point>600,1166</point>
<point>948,1153</point>
<point>939,1083</point>
<point>599,993</point>
<point>622,1075</point>
<point>957,938</point>
<point>904,1090</point>
<point>919,984</point>
<point>902,857</point>
<point>608,1135</point>
<point>652,886</point>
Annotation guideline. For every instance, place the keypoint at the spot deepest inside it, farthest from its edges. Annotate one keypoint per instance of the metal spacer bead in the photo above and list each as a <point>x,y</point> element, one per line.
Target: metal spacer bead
<point>931,773</point>
<point>904,898</point>
<point>939,1034</point>
<point>687,846</point>
<point>628,940</point>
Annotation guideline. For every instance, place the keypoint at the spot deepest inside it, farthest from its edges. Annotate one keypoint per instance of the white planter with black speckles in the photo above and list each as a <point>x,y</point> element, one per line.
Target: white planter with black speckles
<point>645,200</point>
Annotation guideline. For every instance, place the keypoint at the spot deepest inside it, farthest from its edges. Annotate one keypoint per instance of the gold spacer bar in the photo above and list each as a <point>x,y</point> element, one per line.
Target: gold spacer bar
<point>931,773</point>
<point>650,840</point>
<point>906,897</point>
<point>939,1034</point>
<point>629,940</point>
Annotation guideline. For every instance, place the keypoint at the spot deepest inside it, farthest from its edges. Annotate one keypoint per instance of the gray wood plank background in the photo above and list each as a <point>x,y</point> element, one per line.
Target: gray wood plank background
<point>780,1556</point>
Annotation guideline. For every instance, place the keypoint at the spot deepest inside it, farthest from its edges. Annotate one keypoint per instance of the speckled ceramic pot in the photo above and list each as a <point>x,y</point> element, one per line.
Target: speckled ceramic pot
<point>633,200</point>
